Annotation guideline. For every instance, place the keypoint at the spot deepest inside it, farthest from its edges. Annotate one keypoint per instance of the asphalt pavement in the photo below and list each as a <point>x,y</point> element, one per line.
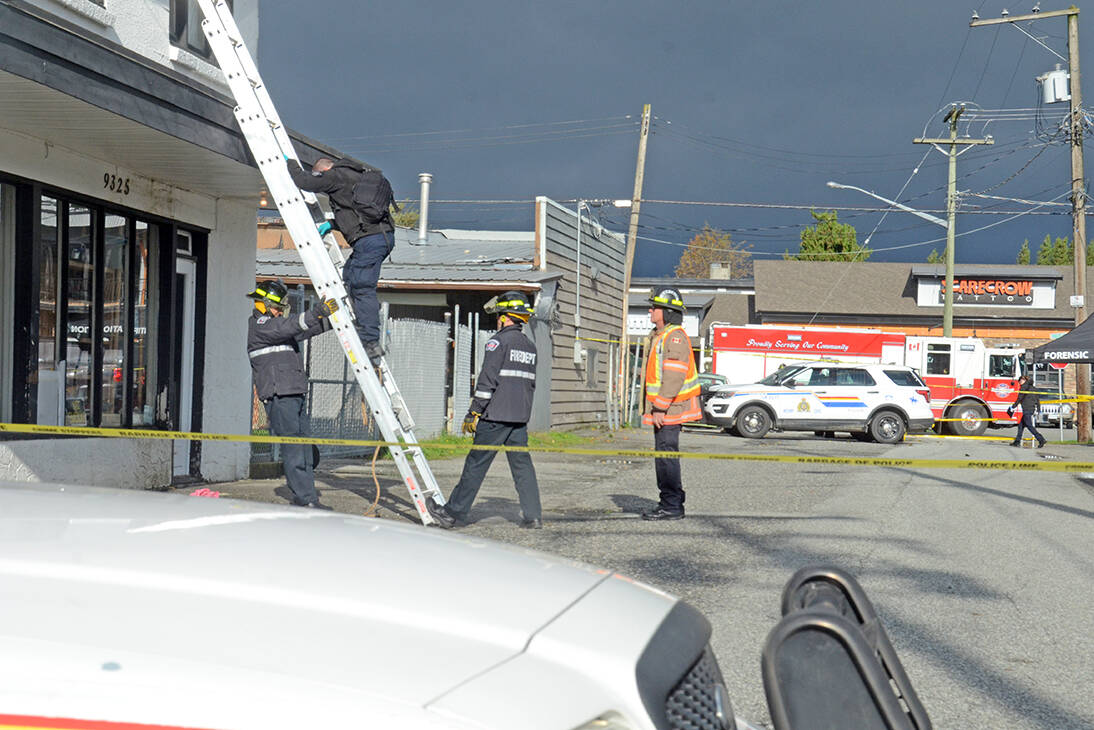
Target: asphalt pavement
<point>982,578</point>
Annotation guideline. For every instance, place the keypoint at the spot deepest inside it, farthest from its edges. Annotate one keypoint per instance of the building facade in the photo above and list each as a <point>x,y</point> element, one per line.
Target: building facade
<point>127,228</point>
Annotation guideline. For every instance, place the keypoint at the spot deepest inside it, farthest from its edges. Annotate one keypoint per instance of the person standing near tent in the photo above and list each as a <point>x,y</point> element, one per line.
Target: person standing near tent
<point>1029,400</point>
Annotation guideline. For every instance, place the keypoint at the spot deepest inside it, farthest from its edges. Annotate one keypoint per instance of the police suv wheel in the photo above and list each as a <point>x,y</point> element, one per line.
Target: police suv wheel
<point>887,428</point>
<point>753,422</point>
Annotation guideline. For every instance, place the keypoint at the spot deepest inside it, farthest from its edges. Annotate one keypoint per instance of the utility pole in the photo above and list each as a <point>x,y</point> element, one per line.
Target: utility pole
<point>1078,195</point>
<point>951,204</point>
<point>628,260</point>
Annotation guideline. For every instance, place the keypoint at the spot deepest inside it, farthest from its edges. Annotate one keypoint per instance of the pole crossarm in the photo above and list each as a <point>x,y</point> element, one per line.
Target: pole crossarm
<point>977,22</point>
<point>947,140</point>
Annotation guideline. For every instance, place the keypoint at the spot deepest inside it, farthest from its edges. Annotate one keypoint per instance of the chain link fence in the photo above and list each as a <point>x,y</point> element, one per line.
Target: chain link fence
<point>417,354</point>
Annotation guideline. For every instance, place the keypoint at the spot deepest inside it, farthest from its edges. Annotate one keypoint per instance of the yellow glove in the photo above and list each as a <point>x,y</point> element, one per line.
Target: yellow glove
<point>325,308</point>
<point>470,422</point>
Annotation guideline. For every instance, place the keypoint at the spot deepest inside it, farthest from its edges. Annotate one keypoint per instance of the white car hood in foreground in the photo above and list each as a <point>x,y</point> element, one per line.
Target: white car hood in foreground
<point>218,613</point>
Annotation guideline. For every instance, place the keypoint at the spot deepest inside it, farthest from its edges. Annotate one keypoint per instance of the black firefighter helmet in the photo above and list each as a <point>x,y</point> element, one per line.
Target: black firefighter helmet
<point>511,302</point>
<point>666,298</point>
<point>273,293</point>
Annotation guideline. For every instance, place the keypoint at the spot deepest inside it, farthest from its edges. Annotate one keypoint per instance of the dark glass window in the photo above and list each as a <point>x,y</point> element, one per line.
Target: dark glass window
<point>77,312</point>
<point>938,359</point>
<point>98,313</point>
<point>185,30</point>
<point>905,377</point>
<point>854,376</point>
<point>1002,366</point>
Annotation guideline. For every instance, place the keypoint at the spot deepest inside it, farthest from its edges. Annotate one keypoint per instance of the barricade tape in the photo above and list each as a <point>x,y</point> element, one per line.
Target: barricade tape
<point>123,433</point>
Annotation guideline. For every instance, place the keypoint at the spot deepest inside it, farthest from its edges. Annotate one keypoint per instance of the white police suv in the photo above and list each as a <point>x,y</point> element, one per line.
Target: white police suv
<point>130,610</point>
<point>870,401</point>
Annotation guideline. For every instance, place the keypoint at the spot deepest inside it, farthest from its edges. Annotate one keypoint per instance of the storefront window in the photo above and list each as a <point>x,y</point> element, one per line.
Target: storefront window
<point>51,397</point>
<point>7,301</point>
<point>79,357</point>
<point>95,318</point>
<point>144,312</point>
<point>115,249</point>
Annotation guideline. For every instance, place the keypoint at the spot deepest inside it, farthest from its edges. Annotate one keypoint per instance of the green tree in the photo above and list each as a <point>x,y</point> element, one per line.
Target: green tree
<point>829,240</point>
<point>407,216</point>
<point>934,257</point>
<point>1023,253</point>
<point>712,246</point>
<point>1054,253</point>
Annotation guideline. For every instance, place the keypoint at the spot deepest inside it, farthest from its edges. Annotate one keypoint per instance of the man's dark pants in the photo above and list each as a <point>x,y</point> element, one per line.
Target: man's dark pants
<point>361,274</point>
<point>667,438</point>
<point>496,433</point>
<point>287,417</point>
<point>1027,422</point>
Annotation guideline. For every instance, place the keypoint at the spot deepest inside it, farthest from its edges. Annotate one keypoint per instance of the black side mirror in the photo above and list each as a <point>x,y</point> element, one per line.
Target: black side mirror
<point>829,663</point>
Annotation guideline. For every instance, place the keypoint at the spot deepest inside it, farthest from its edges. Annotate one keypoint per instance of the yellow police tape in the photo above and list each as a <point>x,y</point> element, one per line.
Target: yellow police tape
<point>125,433</point>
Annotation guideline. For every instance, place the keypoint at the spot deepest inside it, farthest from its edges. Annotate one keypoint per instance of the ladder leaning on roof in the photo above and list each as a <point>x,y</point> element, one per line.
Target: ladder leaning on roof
<point>319,250</point>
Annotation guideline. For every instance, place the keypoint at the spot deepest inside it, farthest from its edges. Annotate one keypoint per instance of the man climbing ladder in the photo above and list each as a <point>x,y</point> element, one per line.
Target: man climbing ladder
<point>318,249</point>
<point>361,199</point>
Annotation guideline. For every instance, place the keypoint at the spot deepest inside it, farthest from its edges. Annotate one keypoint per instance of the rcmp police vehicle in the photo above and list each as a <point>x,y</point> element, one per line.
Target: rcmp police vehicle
<point>871,402</point>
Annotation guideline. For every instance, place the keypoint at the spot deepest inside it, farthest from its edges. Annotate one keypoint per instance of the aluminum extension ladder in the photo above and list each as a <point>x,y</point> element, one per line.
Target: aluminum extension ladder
<point>322,257</point>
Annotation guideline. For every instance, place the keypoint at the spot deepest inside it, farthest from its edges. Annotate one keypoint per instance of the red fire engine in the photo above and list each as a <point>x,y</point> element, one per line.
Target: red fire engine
<point>968,381</point>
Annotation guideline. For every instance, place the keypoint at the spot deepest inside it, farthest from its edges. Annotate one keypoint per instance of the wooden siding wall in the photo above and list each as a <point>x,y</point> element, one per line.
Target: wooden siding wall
<point>574,402</point>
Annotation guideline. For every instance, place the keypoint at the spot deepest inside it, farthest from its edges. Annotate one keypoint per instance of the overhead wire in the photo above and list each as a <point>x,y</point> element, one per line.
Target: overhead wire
<point>499,140</point>
<point>1013,215</point>
<point>987,62</point>
<point>597,120</point>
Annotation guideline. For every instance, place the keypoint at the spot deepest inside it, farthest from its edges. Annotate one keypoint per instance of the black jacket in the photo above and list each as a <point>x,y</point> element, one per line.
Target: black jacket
<point>1029,400</point>
<point>273,345</point>
<point>337,184</point>
<point>504,388</point>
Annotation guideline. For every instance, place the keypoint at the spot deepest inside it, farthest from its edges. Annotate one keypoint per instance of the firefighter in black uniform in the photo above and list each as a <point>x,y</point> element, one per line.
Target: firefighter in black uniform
<point>273,345</point>
<point>499,414</point>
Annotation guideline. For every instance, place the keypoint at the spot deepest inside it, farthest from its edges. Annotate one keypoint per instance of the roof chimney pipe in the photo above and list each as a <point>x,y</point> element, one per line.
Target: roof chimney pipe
<point>423,219</point>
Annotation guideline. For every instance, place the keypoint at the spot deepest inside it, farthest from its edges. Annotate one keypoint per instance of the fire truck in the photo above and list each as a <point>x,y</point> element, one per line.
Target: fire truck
<point>972,385</point>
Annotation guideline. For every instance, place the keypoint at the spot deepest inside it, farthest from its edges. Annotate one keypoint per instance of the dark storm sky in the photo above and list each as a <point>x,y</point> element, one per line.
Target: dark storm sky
<point>754,102</point>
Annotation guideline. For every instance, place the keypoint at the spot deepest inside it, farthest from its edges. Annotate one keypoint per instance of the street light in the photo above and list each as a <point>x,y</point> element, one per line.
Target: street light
<point>947,301</point>
<point>925,216</point>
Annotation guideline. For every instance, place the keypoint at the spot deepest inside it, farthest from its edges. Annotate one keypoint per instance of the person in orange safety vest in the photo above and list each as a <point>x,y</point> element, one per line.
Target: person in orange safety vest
<point>671,396</point>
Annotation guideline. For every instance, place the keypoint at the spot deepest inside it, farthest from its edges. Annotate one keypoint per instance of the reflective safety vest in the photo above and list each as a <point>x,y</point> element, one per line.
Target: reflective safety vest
<point>683,406</point>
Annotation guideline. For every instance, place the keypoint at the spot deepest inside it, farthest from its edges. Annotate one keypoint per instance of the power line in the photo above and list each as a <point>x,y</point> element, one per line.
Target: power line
<point>336,140</point>
<point>499,140</point>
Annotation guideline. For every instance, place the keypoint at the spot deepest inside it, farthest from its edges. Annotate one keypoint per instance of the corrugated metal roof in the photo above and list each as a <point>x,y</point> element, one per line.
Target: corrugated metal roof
<point>469,247</point>
<point>286,264</point>
<point>648,282</point>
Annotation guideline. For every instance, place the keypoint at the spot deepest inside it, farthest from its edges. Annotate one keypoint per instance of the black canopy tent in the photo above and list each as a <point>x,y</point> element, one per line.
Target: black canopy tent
<point>1076,346</point>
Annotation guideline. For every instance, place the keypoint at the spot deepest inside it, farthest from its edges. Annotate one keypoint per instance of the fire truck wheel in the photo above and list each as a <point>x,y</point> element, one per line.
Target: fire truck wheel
<point>753,422</point>
<point>887,427</point>
<point>972,417</point>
